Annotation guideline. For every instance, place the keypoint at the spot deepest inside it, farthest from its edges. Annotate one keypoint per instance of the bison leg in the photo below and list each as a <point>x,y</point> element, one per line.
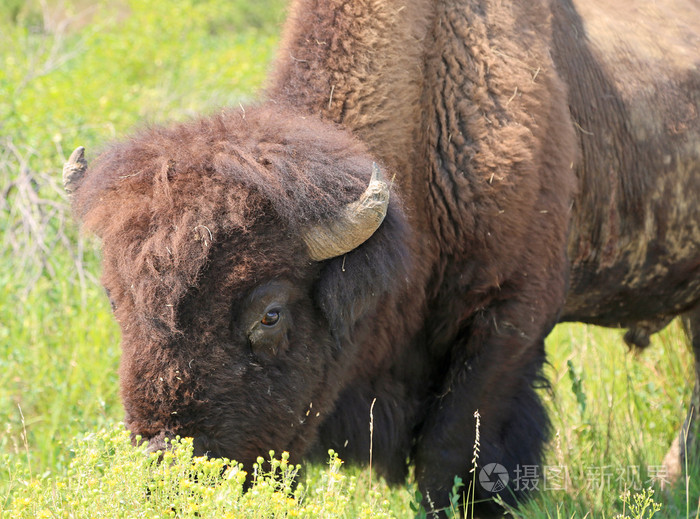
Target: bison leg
<point>686,446</point>
<point>495,372</point>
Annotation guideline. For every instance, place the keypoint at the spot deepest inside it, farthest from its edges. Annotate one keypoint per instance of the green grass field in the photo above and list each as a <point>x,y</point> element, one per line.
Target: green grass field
<point>74,72</point>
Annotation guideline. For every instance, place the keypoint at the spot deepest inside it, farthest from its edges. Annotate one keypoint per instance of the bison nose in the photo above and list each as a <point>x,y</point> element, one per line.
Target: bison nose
<point>157,443</point>
<point>201,445</point>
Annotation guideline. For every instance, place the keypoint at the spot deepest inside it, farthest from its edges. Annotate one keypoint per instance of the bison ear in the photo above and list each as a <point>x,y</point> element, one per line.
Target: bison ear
<point>351,286</point>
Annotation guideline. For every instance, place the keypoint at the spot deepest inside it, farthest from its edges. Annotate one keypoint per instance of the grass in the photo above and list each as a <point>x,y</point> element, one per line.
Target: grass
<point>81,73</point>
<point>613,420</point>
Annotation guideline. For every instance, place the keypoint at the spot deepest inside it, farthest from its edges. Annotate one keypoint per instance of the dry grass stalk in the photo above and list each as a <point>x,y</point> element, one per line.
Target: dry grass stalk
<point>36,219</point>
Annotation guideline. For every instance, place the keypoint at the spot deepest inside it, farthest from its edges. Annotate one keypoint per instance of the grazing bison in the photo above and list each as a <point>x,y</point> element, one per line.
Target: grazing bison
<point>425,189</point>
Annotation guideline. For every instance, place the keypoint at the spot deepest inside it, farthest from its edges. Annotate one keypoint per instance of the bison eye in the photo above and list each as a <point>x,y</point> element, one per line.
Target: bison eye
<point>271,318</point>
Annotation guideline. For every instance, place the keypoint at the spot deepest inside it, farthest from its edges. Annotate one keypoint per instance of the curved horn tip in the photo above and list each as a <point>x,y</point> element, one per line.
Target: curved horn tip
<point>77,155</point>
<point>377,174</point>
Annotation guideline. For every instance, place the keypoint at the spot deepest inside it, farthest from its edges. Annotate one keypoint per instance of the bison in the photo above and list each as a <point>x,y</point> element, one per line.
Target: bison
<point>424,190</point>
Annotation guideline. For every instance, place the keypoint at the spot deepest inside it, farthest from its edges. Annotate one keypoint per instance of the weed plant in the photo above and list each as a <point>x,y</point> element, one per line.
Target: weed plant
<point>108,477</point>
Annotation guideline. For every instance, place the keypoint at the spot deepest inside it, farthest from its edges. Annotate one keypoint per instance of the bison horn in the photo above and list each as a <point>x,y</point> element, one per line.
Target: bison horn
<point>73,170</point>
<point>357,222</point>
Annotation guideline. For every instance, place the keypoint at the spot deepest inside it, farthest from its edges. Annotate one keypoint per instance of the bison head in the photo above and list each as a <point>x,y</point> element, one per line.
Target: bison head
<point>248,266</point>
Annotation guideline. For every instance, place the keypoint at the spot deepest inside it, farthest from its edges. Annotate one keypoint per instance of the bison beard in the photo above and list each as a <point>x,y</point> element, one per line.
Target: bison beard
<point>240,330</point>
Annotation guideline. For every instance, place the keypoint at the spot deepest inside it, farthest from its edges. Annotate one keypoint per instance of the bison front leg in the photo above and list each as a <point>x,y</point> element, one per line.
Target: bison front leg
<point>686,447</point>
<point>494,371</point>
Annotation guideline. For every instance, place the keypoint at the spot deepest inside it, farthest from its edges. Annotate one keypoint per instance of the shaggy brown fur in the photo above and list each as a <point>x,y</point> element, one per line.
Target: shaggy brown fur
<point>522,159</point>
